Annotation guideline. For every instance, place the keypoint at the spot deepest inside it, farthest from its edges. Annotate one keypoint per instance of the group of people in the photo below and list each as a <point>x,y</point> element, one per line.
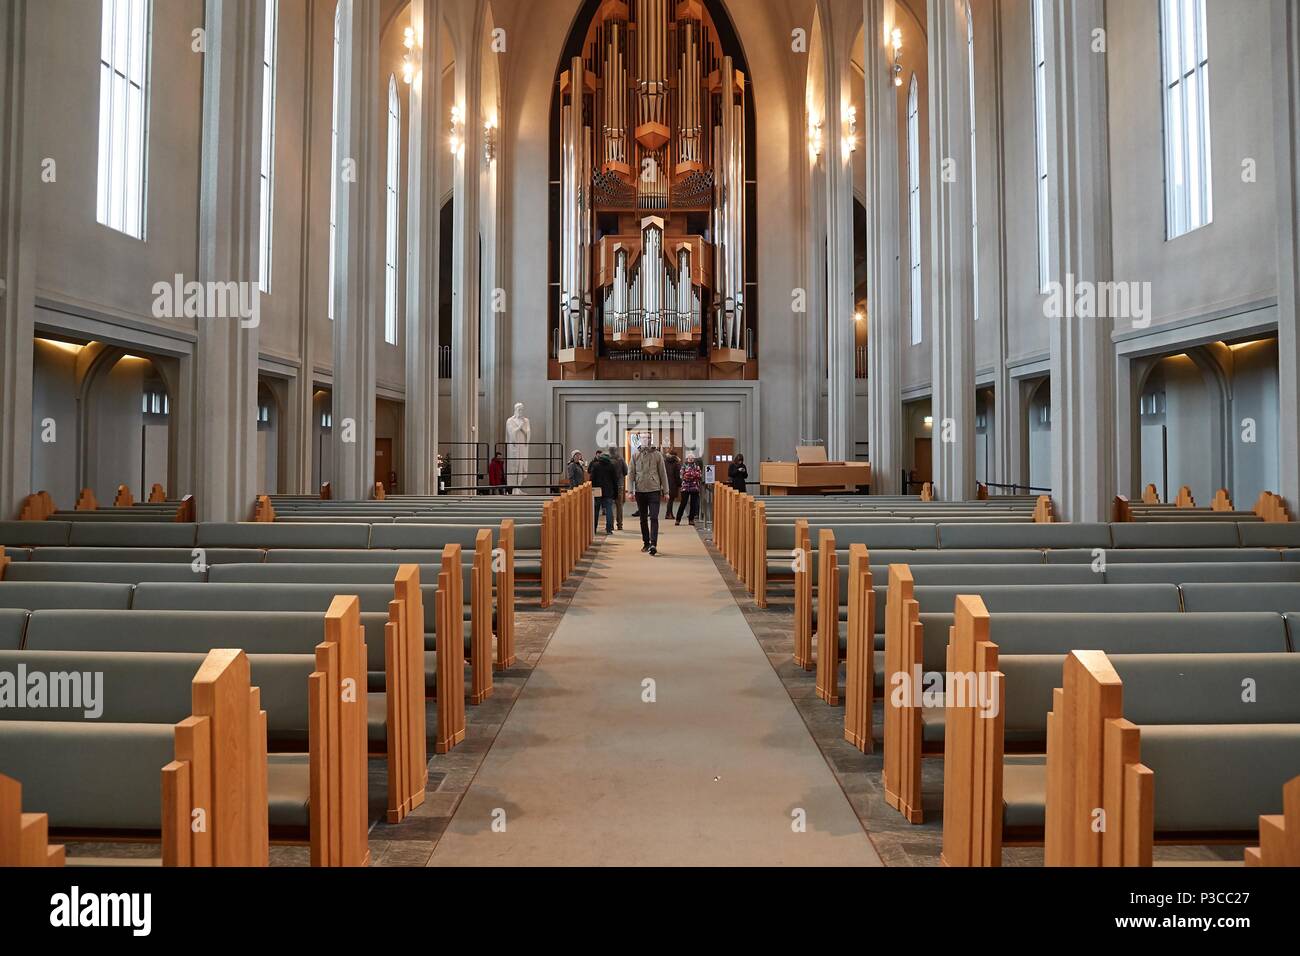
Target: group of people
<point>655,476</point>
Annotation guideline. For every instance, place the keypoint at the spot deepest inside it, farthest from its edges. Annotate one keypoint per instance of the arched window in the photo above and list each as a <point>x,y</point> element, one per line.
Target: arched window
<point>123,114</point>
<point>334,152</point>
<point>393,179</point>
<point>268,142</point>
<point>974,179</point>
<point>914,206</point>
<point>1186,73</point>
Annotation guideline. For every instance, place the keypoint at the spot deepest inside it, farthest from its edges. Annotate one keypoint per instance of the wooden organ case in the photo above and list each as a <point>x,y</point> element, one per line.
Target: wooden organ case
<point>652,224</point>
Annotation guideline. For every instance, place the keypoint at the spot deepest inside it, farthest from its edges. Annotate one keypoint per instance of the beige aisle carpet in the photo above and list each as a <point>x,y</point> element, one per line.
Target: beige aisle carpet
<point>718,770</point>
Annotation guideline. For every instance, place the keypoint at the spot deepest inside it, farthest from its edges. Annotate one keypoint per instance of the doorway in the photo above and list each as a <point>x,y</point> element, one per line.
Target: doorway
<point>385,470</point>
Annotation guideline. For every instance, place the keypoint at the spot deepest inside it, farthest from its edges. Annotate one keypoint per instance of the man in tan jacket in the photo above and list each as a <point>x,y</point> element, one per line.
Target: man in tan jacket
<point>650,483</point>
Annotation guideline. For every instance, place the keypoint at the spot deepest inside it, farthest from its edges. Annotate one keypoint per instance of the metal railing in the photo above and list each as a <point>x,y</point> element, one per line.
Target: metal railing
<point>860,361</point>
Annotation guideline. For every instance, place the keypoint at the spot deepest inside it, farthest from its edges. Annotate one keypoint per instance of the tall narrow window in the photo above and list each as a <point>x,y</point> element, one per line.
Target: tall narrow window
<point>334,153</point>
<point>123,114</point>
<point>974,180</point>
<point>914,206</point>
<point>1040,147</point>
<point>394,172</point>
<point>1186,73</point>
<point>268,142</point>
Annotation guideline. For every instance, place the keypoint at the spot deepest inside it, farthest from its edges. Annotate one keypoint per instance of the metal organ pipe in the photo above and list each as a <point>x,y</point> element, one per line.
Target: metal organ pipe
<point>684,291</point>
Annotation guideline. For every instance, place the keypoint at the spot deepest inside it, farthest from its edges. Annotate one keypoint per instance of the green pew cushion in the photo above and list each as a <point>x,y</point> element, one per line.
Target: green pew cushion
<point>351,556</point>
<point>1269,534</point>
<point>264,534</point>
<point>13,625</point>
<point>1175,534</point>
<point>34,533</point>
<point>428,536</point>
<point>1163,555</point>
<point>1202,571</point>
<point>1023,535</point>
<point>1219,779</point>
<point>192,632</point>
<point>1024,792</point>
<point>34,595</point>
<point>184,555</point>
<point>1280,597</point>
<point>143,534</point>
<point>130,572</point>
<point>288,793</point>
<point>116,769</point>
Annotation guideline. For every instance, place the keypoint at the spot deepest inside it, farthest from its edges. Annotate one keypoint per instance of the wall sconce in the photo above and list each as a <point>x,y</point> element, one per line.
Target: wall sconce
<point>814,137</point>
<point>929,421</point>
<point>850,143</point>
<point>859,317</point>
<point>490,140</point>
<point>408,60</point>
<point>896,40</point>
<point>456,137</point>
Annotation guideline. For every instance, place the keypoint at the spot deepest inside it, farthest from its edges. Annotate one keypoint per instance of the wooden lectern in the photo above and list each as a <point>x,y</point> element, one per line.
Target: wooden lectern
<point>812,474</point>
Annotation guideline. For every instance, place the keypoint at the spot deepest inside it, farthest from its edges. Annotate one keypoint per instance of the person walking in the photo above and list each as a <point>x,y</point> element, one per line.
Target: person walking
<point>576,470</point>
<point>692,475</point>
<point>497,475</point>
<point>650,482</point>
<point>620,473</point>
<point>737,473</point>
<point>673,465</point>
<point>604,482</point>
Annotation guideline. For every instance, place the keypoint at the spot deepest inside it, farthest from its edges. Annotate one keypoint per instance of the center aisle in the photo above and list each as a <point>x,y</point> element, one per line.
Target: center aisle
<point>587,772</point>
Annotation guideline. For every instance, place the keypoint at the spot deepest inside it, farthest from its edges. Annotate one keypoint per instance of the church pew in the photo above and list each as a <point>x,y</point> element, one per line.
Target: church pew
<point>990,794</point>
<point>904,651</point>
<point>91,776</point>
<point>1167,749</point>
<point>1279,834</point>
<point>397,728</point>
<point>313,707</point>
<point>24,837</point>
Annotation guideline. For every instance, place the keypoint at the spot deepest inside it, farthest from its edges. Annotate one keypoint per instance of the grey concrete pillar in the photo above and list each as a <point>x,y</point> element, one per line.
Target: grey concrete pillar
<point>425,140</point>
<point>1082,355</point>
<point>224,399</point>
<point>358,249</point>
<point>952,277</point>
<point>883,248</point>
<point>1286,145</point>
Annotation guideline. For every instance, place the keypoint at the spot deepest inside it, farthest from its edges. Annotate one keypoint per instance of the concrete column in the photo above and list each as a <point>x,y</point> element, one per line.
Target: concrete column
<point>883,247</point>
<point>425,140</point>
<point>467,35</point>
<point>1082,356</point>
<point>952,278</point>
<point>358,249</point>
<point>840,390</point>
<point>20,180</point>
<point>1286,145</point>
<point>224,399</point>
<point>491,420</point>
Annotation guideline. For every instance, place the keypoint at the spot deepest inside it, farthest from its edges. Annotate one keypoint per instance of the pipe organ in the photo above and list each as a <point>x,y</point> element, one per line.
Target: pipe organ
<point>652,192</point>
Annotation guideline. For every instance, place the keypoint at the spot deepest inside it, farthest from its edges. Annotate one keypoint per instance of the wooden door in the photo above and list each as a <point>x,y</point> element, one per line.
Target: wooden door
<point>384,463</point>
<point>721,451</point>
<point>922,459</point>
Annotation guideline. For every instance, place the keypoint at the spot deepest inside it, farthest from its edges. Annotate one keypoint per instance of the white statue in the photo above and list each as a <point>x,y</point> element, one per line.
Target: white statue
<point>517,432</point>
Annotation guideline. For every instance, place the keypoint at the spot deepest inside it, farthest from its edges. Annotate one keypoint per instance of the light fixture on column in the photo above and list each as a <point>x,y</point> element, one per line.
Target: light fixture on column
<point>456,137</point>
<point>490,140</point>
<point>896,40</point>
<point>408,59</point>
<point>814,136</point>
<point>850,144</point>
